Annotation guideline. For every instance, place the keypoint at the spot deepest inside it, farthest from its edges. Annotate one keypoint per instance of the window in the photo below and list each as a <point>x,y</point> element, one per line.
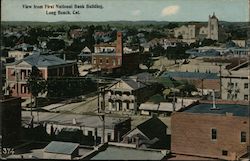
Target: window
<point>230,84</point>
<point>224,152</point>
<point>109,137</point>
<point>90,133</point>
<point>245,85</point>
<point>107,61</point>
<point>236,84</point>
<point>235,95</point>
<point>94,61</point>
<point>246,97</point>
<point>243,137</point>
<point>119,61</point>
<point>212,27</point>
<point>100,60</point>
<point>214,134</point>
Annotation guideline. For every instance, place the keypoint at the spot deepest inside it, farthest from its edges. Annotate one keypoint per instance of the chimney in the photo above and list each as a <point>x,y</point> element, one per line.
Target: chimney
<point>64,56</point>
<point>119,44</point>
<point>74,121</point>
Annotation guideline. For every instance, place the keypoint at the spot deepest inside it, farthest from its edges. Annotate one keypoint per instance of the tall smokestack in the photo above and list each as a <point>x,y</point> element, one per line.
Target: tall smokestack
<point>119,44</point>
<point>119,49</point>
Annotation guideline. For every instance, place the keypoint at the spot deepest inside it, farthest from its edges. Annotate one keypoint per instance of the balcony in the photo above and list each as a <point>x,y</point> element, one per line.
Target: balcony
<point>122,98</point>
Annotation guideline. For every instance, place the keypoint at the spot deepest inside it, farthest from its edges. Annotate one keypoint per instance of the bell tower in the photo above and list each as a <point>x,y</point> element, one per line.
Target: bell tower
<point>213,27</point>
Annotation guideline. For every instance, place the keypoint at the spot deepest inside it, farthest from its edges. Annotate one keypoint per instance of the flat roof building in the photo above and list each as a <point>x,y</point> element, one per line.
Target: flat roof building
<point>61,150</point>
<point>205,130</point>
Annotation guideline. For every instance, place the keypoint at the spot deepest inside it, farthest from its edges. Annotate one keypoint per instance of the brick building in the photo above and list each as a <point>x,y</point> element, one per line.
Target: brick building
<point>221,132</point>
<point>18,72</point>
<point>111,57</point>
<point>108,57</point>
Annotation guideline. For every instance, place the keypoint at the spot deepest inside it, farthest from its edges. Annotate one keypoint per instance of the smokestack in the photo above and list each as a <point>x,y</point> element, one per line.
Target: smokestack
<point>119,44</point>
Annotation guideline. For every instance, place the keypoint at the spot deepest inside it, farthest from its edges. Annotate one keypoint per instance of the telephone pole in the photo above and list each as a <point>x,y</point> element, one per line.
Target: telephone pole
<point>220,82</point>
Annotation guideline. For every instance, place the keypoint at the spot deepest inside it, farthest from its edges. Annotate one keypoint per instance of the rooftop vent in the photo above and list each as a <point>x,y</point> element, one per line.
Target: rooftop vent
<point>214,106</point>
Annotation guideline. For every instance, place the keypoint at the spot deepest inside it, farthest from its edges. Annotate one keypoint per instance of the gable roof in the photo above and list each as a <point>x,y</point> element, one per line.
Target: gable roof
<point>40,60</point>
<point>86,50</point>
<point>133,84</point>
<point>61,147</point>
<point>153,128</point>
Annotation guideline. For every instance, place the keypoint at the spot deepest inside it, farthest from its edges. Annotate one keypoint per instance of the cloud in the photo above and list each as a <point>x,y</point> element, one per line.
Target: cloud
<point>136,12</point>
<point>170,10</point>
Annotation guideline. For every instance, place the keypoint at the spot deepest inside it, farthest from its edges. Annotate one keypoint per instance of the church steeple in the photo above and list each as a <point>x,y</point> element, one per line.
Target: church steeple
<point>214,16</point>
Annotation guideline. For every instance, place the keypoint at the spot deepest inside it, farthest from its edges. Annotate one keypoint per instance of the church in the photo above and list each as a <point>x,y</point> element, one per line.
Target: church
<point>198,31</point>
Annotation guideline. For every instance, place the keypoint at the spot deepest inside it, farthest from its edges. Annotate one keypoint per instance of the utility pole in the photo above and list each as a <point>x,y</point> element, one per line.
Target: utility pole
<point>98,93</point>
<point>102,117</point>
<point>103,99</point>
<point>17,81</point>
<point>220,82</point>
<point>202,87</point>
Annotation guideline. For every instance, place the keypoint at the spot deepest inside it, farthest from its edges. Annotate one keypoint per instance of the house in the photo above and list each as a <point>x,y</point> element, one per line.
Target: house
<point>195,31</point>
<point>235,83</point>
<point>85,55</point>
<point>18,55</point>
<point>89,125</point>
<point>150,134</point>
<point>240,43</point>
<point>240,52</point>
<point>119,151</point>
<point>127,94</point>
<point>61,150</point>
<point>162,107</point>
<point>18,72</point>
<point>10,121</point>
<point>208,81</point>
<point>219,131</point>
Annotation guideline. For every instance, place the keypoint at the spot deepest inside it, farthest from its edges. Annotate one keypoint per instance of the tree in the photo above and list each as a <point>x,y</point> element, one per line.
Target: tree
<point>36,84</point>
<point>158,50</point>
<point>149,62</point>
<point>187,89</point>
<point>55,44</point>
<point>177,52</point>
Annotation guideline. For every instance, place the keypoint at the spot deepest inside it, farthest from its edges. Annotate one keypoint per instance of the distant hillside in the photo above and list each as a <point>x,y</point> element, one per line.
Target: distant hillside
<point>112,23</point>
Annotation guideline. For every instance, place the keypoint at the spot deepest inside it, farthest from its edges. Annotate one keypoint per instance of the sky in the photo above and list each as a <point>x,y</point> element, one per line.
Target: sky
<point>130,10</point>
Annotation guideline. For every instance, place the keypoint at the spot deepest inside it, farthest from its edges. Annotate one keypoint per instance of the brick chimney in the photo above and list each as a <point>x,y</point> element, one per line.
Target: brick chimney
<point>119,49</point>
<point>119,44</point>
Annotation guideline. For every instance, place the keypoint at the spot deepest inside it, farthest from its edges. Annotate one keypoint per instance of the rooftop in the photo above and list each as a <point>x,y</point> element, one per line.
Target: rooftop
<point>40,60</point>
<point>125,153</point>
<point>222,109</point>
<point>67,119</point>
<point>61,147</point>
<point>189,75</point>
